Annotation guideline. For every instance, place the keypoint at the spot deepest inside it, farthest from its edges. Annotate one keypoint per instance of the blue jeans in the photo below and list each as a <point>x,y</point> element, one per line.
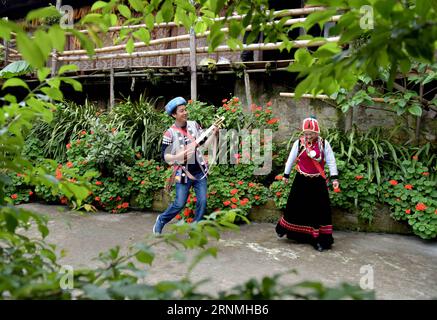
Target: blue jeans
<point>182,191</point>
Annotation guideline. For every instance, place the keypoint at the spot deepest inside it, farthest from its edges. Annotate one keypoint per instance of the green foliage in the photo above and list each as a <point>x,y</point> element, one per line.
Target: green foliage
<point>142,123</point>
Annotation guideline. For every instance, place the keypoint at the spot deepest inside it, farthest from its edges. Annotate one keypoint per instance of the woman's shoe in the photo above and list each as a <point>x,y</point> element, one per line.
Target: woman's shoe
<point>318,247</point>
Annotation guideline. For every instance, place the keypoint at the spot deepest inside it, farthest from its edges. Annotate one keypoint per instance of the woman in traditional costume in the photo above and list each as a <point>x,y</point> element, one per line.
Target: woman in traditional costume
<point>307,217</point>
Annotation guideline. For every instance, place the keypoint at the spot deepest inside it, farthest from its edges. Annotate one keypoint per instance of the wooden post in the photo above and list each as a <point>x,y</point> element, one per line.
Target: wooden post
<point>111,88</point>
<point>247,89</point>
<point>419,119</point>
<point>193,62</point>
<point>6,48</point>
<point>54,54</point>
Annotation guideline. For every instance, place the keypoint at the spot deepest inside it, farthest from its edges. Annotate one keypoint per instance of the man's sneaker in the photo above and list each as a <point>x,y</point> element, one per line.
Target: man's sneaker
<point>157,227</point>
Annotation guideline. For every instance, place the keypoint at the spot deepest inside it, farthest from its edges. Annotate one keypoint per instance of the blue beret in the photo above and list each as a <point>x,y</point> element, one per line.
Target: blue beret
<point>173,104</point>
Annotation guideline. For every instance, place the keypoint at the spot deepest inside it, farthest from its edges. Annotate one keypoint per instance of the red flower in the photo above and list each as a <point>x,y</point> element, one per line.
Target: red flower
<point>68,145</point>
<point>416,157</point>
<point>73,180</point>
<point>278,194</point>
<point>143,182</point>
<point>257,114</point>
<point>234,200</point>
<point>236,99</point>
<point>358,178</point>
<point>273,121</point>
<point>240,182</point>
<point>92,132</point>
<point>233,110</point>
<point>190,101</point>
<point>257,197</point>
<point>99,183</point>
<point>64,200</point>
<point>186,212</point>
<point>393,182</point>
<point>224,100</point>
<point>83,132</point>
<point>259,108</point>
<point>118,198</point>
<point>97,198</point>
<point>14,196</point>
<point>408,186</point>
<point>69,164</point>
<point>178,217</point>
<point>129,178</point>
<point>158,168</point>
<point>268,111</point>
<point>278,177</point>
<point>408,211</point>
<point>337,190</point>
<point>268,104</point>
<point>234,191</point>
<point>251,184</point>
<point>227,202</point>
<point>30,193</point>
<point>421,206</point>
<point>234,206</point>
<point>125,205</point>
<point>425,174</point>
<point>58,174</point>
<point>194,199</point>
<point>189,220</point>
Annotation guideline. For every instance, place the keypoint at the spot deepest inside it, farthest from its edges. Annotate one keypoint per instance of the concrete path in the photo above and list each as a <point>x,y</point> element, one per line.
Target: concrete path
<point>404,267</point>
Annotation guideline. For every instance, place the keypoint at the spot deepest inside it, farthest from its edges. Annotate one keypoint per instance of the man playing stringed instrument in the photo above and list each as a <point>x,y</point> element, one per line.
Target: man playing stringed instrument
<point>180,148</point>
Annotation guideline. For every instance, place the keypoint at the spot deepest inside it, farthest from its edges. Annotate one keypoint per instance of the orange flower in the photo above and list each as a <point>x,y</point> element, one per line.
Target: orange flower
<point>125,204</point>
<point>234,191</point>
<point>278,194</point>
<point>421,206</point>
<point>358,178</point>
<point>69,164</point>
<point>233,110</point>
<point>97,198</point>
<point>141,164</point>
<point>416,157</point>
<point>113,130</point>
<point>278,177</point>
<point>236,99</point>
<point>393,182</point>
<point>257,197</point>
<point>178,217</point>
<point>14,196</point>
<point>408,186</point>
<point>227,202</point>
<point>64,200</point>
<point>408,211</point>
<point>190,101</point>
<point>234,206</point>
<point>99,183</point>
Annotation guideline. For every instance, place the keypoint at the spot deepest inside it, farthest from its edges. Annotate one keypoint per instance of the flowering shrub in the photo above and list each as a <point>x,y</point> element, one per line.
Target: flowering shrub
<point>357,192</point>
<point>280,191</point>
<point>412,197</point>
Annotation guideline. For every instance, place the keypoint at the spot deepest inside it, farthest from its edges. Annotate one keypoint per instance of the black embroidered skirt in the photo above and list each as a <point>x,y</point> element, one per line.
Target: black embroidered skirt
<point>307,217</point>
